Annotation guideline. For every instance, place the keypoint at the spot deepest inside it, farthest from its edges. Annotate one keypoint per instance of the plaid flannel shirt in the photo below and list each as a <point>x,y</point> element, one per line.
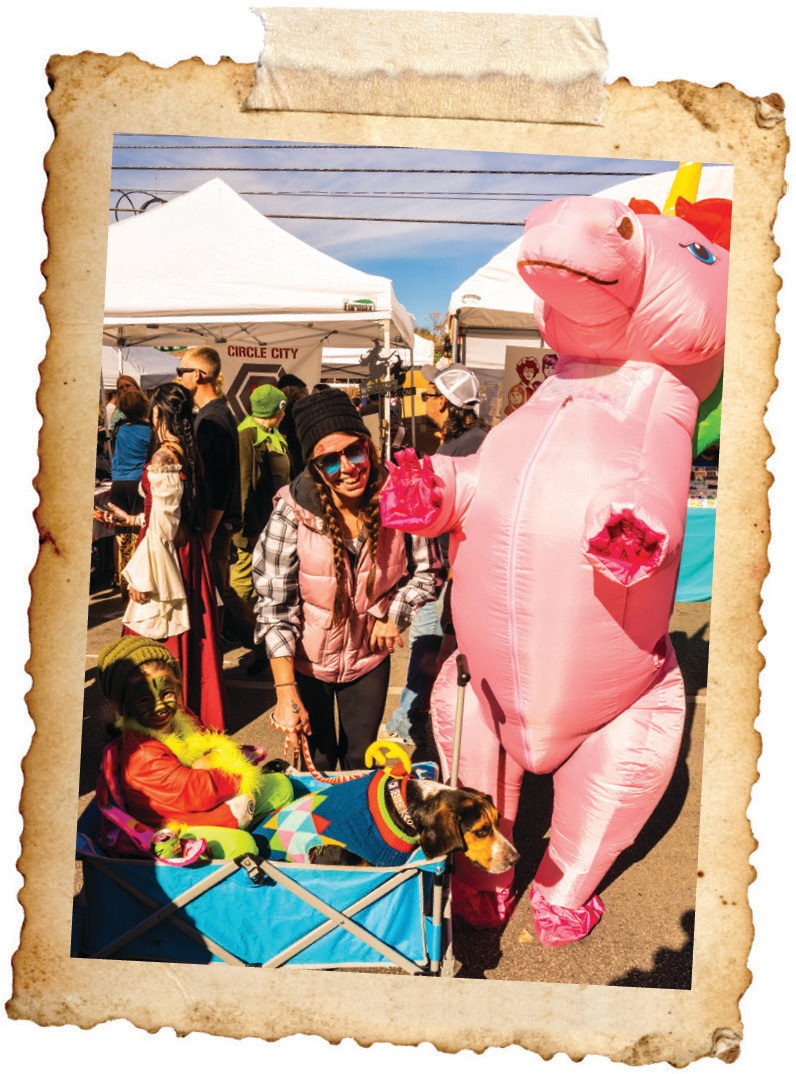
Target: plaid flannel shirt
<point>275,575</point>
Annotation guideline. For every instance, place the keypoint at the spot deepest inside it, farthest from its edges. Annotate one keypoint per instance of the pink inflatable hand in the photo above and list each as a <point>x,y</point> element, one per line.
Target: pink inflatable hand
<point>412,496</point>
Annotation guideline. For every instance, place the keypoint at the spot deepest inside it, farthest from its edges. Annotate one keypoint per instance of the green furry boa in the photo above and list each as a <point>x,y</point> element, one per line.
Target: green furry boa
<point>188,743</point>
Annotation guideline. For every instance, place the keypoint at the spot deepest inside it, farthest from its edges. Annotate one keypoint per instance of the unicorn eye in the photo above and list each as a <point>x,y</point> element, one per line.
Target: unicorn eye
<point>700,252</point>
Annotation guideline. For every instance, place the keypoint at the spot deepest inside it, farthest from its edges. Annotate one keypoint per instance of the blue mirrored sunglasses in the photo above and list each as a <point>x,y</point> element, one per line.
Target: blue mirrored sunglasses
<point>329,464</point>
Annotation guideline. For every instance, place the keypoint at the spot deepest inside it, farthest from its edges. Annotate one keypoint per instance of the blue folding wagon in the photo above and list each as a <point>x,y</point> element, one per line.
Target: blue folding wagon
<point>253,912</point>
<point>249,911</point>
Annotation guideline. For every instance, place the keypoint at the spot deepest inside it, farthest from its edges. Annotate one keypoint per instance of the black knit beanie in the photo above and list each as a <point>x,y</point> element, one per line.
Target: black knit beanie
<point>323,413</point>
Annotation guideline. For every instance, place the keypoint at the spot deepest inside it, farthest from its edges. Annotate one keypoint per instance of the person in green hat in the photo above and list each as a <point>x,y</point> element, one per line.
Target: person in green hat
<point>172,771</point>
<point>264,469</point>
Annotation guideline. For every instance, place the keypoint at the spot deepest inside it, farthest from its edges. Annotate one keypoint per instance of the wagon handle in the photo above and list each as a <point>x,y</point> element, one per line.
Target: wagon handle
<point>462,678</point>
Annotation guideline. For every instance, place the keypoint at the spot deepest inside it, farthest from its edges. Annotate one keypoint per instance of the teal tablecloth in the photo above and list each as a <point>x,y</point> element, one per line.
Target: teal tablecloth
<point>696,569</point>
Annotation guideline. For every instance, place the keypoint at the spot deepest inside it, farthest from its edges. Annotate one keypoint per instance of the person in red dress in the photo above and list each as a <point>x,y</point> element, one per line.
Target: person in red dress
<point>172,596</point>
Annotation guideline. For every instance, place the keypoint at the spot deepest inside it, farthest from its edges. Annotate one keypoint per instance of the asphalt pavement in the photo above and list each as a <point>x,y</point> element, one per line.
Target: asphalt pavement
<point>645,938</point>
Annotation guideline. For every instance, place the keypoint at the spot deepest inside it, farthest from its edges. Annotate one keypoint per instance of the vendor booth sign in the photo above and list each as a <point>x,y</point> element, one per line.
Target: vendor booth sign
<point>248,365</point>
<point>525,369</point>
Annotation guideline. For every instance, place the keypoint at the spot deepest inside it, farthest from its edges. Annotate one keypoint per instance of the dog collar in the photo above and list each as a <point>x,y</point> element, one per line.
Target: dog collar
<point>394,787</point>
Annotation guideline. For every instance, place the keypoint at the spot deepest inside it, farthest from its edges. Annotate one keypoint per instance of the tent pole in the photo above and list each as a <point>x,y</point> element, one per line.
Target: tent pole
<point>412,396</point>
<point>385,454</point>
<point>455,337</point>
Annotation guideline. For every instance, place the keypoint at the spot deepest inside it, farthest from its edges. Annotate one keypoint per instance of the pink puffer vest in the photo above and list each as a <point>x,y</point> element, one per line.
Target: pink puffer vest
<point>341,653</point>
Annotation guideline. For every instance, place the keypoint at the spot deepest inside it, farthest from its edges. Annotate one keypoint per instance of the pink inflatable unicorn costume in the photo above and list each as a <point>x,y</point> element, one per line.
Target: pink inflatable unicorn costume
<point>567,528</point>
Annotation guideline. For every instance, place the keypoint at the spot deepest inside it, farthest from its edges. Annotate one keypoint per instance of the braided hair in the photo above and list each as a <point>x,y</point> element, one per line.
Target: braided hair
<point>175,416</point>
<point>371,517</point>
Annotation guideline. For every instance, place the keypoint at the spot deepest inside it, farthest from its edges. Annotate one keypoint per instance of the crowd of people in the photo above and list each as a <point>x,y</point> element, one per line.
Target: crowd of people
<point>266,533</point>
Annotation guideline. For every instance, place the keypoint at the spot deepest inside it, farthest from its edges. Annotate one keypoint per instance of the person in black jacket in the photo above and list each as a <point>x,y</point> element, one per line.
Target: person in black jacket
<point>293,388</point>
<point>216,434</point>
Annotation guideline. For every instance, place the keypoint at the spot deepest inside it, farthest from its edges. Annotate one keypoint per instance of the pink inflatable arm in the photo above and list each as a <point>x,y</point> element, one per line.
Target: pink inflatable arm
<point>429,497</point>
<point>629,541</point>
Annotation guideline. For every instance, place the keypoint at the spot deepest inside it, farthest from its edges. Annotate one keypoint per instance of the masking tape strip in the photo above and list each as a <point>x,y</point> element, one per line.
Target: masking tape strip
<point>447,65</point>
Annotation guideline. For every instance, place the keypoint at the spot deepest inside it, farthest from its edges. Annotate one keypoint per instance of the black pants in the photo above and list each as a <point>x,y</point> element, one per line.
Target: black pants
<point>360,708</point>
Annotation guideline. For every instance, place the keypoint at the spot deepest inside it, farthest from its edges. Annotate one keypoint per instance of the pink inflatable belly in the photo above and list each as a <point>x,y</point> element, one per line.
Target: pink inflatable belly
<point>539,669</point>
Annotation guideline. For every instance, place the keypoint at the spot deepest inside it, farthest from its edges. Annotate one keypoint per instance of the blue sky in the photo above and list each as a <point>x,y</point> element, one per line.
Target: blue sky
<point>426,261</point>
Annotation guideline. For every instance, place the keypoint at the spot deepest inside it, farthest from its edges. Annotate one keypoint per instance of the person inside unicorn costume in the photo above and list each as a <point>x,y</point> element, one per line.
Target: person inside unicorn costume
<point>566,534</point>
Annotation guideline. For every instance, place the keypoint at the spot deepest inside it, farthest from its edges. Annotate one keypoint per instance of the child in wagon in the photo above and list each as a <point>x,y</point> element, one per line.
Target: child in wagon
<point>171,771</point>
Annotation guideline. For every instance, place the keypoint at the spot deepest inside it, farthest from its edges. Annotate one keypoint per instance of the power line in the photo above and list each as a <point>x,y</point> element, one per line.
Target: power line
<point>368,171</point>
<point>464,195</point>
<point>368,219</point>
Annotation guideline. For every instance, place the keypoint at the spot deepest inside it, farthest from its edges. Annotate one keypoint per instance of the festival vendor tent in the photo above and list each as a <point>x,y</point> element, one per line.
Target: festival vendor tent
<point>146,365</point>
<point>492,314</point>
<point>208,268</point>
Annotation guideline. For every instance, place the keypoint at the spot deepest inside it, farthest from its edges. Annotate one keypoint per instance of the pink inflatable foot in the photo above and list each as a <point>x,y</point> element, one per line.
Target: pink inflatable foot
<point>557,925</point>
<point>481,909</point>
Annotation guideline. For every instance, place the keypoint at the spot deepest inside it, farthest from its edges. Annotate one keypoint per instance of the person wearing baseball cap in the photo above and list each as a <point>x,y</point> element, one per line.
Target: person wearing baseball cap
<point>452,404</point>
<point>264,469</point>
<point>336,588</point>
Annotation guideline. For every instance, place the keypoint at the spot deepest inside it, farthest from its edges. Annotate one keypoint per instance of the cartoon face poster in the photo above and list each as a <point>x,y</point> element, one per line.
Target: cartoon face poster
<point>526,368</point>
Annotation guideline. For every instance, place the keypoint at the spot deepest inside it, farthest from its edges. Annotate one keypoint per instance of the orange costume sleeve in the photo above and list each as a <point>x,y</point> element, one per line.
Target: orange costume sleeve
<point>158,788</point>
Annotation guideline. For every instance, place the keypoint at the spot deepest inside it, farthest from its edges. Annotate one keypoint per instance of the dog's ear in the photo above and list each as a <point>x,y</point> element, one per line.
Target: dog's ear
<point>443,834</point>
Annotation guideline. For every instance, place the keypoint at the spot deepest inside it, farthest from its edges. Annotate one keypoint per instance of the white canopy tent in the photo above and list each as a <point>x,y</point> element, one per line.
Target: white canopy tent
<point>148,366</point>
<point>208,266</point>
<point>493,308</point>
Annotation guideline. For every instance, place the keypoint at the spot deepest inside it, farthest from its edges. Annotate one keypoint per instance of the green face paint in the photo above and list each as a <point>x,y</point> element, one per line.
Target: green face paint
<point>153,698</point>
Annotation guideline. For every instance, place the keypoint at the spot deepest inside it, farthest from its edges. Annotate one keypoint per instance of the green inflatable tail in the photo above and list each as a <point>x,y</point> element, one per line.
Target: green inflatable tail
<point>708,426</point>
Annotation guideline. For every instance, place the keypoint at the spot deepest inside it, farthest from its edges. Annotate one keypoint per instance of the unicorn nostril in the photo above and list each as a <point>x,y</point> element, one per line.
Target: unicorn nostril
<point>625,227</point>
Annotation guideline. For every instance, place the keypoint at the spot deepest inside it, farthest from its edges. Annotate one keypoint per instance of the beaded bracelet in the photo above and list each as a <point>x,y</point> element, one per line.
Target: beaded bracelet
<point>278,684</point>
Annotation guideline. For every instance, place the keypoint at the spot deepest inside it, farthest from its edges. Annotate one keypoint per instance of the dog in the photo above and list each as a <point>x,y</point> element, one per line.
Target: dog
<point>381,819</point>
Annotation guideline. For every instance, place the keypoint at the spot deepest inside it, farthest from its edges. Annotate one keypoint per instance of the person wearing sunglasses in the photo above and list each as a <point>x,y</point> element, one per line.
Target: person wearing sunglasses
<point>336,588</point>
<point>452,404</point>
<point>216,432</point>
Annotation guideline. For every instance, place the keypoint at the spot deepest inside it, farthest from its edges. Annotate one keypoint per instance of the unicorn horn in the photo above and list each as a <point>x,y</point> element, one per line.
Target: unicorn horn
<point>685,185</point>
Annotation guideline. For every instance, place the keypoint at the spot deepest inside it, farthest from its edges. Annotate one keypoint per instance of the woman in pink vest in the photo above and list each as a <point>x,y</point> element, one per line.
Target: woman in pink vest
<point>335,587</point>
